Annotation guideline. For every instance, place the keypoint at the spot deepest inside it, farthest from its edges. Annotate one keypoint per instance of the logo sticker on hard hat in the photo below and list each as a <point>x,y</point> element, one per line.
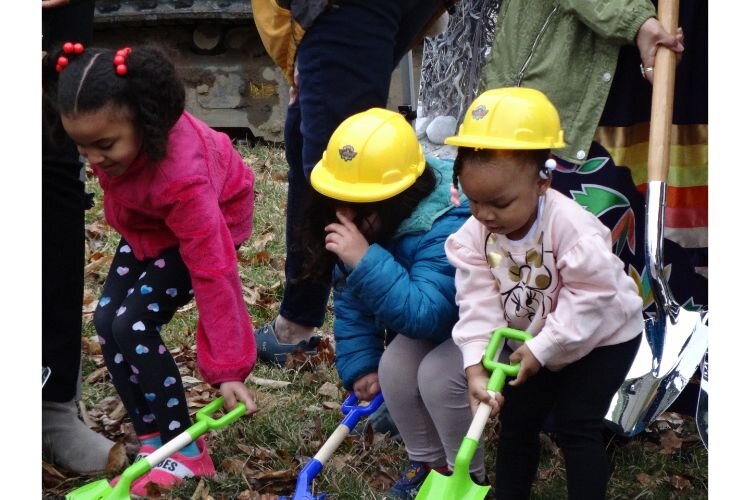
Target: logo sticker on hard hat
<point>347,153</point>
<point>479,112</point>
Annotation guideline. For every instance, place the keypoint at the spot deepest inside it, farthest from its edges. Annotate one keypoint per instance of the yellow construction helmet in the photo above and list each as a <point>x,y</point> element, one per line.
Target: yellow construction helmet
<point>371,156</point>
<point>510,118</point>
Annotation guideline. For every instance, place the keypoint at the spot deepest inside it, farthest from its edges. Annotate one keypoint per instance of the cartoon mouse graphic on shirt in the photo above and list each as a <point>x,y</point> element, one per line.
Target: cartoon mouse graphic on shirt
<point>528,278</point>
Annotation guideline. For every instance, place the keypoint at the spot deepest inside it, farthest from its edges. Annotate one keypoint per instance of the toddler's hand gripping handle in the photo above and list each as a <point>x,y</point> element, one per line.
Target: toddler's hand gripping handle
<point>500,371</point>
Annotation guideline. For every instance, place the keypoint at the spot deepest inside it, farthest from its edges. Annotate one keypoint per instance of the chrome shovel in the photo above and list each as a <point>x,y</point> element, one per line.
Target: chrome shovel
<point>675,339</point>
<point>701,412</point>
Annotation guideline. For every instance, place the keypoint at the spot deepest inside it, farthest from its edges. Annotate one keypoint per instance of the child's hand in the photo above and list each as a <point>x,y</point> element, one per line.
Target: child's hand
<point>367,386</point>
<point>346,240</point>
<point>477,378</point>
<point>236,390</point>
<point>529,364</point>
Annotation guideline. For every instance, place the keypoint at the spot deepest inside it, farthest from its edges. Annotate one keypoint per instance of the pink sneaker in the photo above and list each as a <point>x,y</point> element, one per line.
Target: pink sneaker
<point>143,451</point>
<point>172,470</point>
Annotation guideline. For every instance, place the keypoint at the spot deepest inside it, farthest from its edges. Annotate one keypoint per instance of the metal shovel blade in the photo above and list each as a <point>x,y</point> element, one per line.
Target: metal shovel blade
<point>674,339</point>
<point>701,412</point>
<point>666,360</point>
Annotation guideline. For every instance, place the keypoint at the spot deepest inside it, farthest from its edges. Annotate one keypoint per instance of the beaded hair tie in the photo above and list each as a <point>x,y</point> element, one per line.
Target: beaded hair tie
<point>68,48</point>
<point>119,61</point>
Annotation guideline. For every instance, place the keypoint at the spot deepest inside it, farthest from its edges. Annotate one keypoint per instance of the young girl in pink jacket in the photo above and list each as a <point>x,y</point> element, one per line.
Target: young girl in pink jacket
<point>532,259</point>
<point>182,200</point>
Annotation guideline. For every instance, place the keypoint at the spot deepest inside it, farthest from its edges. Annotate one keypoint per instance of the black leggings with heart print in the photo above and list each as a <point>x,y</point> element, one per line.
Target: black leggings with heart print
<point>138,299</point>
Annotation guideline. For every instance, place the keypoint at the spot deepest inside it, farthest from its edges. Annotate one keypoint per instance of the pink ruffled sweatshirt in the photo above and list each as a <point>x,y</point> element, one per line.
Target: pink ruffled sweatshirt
<point>198,197</point>
<point>561,283</point>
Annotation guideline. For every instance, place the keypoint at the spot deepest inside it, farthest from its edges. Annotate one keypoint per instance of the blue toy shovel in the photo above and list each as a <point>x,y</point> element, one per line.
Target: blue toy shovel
<point>352,413</point>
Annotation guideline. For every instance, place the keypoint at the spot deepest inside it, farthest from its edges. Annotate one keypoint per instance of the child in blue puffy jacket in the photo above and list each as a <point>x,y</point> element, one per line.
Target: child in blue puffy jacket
<point>381,215</point>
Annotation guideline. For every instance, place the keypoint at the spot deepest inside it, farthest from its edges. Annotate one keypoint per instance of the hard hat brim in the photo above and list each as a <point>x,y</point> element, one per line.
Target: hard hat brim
<point>484,142</point>
<point>326,184</point>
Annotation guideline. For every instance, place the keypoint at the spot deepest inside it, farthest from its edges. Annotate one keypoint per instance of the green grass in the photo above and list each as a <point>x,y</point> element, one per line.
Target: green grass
<point>259,457</point>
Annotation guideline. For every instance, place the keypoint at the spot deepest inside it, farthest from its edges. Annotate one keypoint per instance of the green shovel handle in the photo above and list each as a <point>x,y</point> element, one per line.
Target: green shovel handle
<point>204,421</point>
<point>500,371</point>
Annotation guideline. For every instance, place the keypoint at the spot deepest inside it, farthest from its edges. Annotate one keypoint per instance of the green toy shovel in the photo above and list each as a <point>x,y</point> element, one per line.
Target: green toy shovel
<point>101,490</point>
<point>459,484</point>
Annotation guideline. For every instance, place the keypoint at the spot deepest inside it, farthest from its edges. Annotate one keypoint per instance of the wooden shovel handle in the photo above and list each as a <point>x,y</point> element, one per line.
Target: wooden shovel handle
<point>662,99</point>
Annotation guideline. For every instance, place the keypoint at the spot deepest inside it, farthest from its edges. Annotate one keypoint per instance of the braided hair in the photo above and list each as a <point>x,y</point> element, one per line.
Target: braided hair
<point>150,89</point>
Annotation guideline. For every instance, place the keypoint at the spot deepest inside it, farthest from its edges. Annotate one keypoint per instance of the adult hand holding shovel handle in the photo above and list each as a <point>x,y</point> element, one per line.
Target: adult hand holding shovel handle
<point>101,490</point>
<point>459,484</point>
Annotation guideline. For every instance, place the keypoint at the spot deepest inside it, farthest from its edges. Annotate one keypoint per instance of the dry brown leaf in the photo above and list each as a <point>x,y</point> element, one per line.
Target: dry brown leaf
<point>97,230</point>
<point>279,176</point>
<point>117,458</point>
<point>250,295</point>
<point>187,307</point>
<point>264,382</point>
<point>260,258</point>
<point>90,345</point>
<point>644,479</point>
<point>233,465</point>
<point>260,243</point>
<point>332,405</point>
<point>188,381</point>
<point>51,470</point>
<point>95,265</point>
<point>89,301</point>
<point>265,475</point>
<point>670,442</point>
<point>96,375</point>
<point>340,462</point>
<point>201,491</point>
<point>85,415</point>
<point>119,412</point>
<point>330,390</point>
<point>679,482</point>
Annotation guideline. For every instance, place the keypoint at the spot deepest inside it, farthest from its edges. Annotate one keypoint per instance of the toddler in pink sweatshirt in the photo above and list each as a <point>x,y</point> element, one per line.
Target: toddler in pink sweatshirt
<point>532,259</point>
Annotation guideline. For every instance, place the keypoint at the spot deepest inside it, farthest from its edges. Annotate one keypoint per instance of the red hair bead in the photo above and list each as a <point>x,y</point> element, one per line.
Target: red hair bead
<point>68,47</point>
<point>121,69</point>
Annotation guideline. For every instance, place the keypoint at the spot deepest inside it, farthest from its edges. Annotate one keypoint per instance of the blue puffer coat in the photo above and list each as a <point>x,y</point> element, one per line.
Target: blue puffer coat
<point>406,287</point>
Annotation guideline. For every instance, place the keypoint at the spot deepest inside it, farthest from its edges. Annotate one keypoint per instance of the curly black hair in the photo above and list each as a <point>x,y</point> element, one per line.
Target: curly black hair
<point>321,210</point>
<point>150,89</point>
<point>535,157</point>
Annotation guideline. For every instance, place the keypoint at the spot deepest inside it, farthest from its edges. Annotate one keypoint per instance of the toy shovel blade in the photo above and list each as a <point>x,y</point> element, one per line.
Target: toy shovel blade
<point>102,490</point>
<point>460,484</point>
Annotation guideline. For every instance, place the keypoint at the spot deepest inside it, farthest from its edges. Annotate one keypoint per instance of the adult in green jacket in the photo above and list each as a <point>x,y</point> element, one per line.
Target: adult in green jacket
<point>568,49</point>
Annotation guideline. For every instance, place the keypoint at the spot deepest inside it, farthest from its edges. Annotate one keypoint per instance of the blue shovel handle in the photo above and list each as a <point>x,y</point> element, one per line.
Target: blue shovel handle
<point>353,411</point>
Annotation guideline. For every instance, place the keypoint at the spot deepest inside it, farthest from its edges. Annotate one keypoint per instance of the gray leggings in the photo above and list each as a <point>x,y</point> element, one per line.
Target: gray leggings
<point>424,386</point>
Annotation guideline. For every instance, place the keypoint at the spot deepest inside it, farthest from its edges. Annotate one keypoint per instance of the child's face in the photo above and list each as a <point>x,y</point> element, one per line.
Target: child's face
<point>503,193</point>
<point>106,137</point>
<point>368,225</point>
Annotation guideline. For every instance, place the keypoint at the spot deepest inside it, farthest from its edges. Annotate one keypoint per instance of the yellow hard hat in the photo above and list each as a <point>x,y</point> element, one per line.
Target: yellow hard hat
<point>510,118</point>
<point>371,156</point>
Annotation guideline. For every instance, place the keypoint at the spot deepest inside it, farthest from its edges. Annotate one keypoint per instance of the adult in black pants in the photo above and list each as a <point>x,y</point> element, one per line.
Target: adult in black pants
<point>65,438</point>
